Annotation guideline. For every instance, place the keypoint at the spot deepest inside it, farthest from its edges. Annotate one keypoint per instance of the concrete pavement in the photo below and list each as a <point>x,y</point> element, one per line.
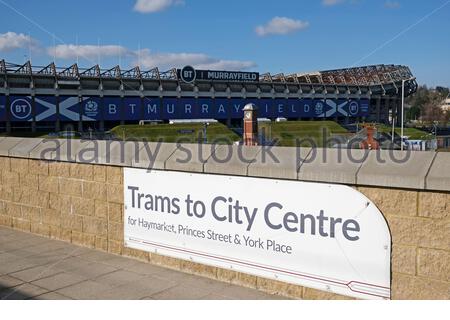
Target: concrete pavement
<point>33,267</point>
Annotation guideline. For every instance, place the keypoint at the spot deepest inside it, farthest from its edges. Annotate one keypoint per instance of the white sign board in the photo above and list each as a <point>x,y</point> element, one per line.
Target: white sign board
<point>322,236</point>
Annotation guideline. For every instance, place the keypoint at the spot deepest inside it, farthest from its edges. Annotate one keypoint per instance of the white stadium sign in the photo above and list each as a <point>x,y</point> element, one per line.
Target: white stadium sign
<point>322,236</point>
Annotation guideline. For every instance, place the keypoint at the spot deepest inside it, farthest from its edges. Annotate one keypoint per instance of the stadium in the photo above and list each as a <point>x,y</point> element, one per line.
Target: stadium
<point>51,98</point>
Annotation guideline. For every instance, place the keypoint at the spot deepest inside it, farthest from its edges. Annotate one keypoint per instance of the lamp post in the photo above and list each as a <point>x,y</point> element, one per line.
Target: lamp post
<point>403,114</point>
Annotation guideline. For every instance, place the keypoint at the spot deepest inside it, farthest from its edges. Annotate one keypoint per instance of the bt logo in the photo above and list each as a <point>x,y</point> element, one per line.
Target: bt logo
<point>20,109</point>
<point>188,74</point>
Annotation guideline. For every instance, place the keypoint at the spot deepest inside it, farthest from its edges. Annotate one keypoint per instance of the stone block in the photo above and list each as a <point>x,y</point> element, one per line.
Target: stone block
<point>5,220</point>
<point>153,155</point>
<point>23,148</point>
<point>29,180</point>
<point>48,149</point>
<point>55,232</point>
<point>278,162</point>
<point>68,150</point>
<point>94,190</point>
<point>115,231</point>
<point>190,157</point>
<point>231,159</point>
<point>313,294</point>
<point>238,278</point>
<point>114,175</point>
<point>101,243</point>
<point>434,264</point>
<point>404,259</point>
<point>406,287</point>
<point>49,184</point>
<point>332,165</point>
<point>41,229</point>
<point>14,210</point>
<point>31,213</point>
<point>95,226</point>
<point>164,261</point>
<point>39,167</point>
<point>392,201</point>
<point>198,269</point>
<point>21,224</point>
<point>71,187</point>
<point>82,171</point>
<point>99,173</point>
<point>434,205</point>
<point>65,235</point>
<point>83,239</point>
<point>115,246</point>
<point>395,169</point>
<point>6,193</point>
<point>5,164</point>
<point>114,193</point>
<point>118,153</point>
<point>279,288</point>
<point>423,232</point>
<point>115,212</point>
<point>136,254</point>
<point>82,207</point>
<point>72,222</point>
<point>59,169</point>
<point>38,198</point>
<point>7,144</point>
<point>51,217</point>
<point>101,209</point>
<point>19,165</point>
<point>10,178</point>
<point>438,177</point>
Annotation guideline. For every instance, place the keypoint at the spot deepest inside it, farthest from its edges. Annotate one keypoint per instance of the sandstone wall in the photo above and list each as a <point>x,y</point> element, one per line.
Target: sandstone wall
<point>83,204</point>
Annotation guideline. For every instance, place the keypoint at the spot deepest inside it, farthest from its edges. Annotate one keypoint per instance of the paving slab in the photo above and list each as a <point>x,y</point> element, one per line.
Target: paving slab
<point>85,290</point>
<point>438,177</point>
<point>51,296</point>
<point>119,278</point>
<point>7,282</point>
<point>90,274</point>
<point>396,169</point>
<point>59,281</point>
<point>231,159</point>
<point>22,292</point>
<point>36,273</point>
<point>182,292</point>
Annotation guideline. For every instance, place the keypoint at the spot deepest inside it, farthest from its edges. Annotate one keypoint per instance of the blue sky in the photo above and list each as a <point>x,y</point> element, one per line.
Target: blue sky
<point>276,36</point>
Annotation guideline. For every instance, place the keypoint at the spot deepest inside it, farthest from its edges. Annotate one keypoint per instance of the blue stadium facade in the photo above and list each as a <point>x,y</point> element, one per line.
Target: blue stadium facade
<point>51,98</point>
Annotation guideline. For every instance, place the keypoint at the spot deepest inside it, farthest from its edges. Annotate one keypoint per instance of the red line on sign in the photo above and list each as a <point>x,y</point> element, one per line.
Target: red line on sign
<point>340,282</point>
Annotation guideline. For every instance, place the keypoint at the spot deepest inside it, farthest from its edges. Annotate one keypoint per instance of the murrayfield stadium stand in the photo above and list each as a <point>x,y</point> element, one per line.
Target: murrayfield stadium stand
<point>34,98</point>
